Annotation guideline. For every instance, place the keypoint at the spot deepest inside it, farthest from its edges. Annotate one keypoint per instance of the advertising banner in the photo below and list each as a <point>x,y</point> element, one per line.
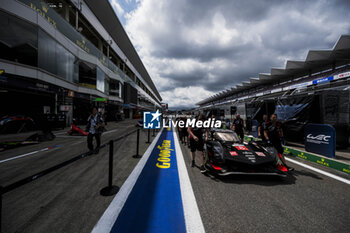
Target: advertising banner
<point>320,139</point>
<point>342,75</point>
<point>255,126</point>
<point>322,80</point>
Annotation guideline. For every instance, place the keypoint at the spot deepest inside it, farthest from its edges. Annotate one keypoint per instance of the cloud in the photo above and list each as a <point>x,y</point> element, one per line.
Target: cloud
<point>117,8</point>
<point>184,97</point>
<point>208,46</point>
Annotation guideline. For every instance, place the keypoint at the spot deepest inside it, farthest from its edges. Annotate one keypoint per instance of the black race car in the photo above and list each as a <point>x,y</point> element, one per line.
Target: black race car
<point>225,155</point>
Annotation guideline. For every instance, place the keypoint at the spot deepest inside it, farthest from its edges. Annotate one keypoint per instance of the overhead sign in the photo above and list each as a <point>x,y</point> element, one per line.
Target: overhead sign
<point>101,99</point>
<point>301,85</point>
<point>323,80</point>
<point>276,90</point>
<point>342,75</point>
<point>320,139</point>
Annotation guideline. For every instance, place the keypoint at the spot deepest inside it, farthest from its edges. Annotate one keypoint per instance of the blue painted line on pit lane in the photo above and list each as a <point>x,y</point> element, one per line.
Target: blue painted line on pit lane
<point>155,203</point>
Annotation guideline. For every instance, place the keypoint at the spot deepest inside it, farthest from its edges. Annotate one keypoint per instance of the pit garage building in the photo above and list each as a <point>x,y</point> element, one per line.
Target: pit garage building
<point>316,90</point>
<point>60,58</point>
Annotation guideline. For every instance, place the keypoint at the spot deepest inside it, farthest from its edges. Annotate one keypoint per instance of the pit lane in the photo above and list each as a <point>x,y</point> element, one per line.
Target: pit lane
<point>68,199</point>
<point>305,201</point>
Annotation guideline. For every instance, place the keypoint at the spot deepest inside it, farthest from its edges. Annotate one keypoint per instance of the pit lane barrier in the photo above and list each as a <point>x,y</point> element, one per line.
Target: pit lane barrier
<point>107,191</point>
<point>312,157</point>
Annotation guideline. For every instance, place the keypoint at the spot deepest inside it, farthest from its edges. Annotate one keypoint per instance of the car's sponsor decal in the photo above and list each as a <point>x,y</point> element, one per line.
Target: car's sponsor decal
<point>247,153</point>
<point>260,154</point>
<point>241,148</point>
<point>233,153</point>
<point>250,156</point>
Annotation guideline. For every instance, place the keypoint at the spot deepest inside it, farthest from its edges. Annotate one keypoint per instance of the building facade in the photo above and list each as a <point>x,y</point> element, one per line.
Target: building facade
<point>63,57</point>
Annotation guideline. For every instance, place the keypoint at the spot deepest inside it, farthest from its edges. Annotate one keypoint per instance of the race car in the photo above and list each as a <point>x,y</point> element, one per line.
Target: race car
<point>16,124</point>
<point>225,155</point>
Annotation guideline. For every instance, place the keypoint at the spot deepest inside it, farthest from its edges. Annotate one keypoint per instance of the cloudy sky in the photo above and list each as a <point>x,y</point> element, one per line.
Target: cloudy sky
<point>195,48</point>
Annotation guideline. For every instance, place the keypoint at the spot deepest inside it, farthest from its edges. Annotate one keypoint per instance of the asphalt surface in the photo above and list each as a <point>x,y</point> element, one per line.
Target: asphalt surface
<point>305,201</point>
<point>68,199</point>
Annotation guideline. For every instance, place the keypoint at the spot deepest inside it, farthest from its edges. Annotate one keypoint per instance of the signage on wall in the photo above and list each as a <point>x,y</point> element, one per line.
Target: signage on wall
<point>42,86</point>
<point>320,139</point>
<point>64,108</point>
<point>101,99</point>
<point>255,127</point>
<point>82,44</point>
<point>103,61</point>
<point>71,93</point>
<point>87,85</point>
<point>43,10</point>
<point>47,109</point>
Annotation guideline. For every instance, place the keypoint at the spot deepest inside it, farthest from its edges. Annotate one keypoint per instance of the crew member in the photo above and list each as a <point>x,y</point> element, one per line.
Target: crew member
<point>237,126</point>
<point>197,143</point>
<point>184,132</point>
<point>94,127</point>
<point>262,127</point>
<point>212,117</point>
<point>273,134</point>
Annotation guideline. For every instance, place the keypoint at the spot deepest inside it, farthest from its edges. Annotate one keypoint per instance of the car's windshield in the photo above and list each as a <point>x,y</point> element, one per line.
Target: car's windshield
<point>226,136</point>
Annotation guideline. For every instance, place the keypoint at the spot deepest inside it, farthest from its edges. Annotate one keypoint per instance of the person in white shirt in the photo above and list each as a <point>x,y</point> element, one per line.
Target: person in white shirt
<point>94,127</point>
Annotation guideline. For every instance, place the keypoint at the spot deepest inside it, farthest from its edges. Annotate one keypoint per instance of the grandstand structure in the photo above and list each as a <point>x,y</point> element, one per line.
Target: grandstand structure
<point>315,90</point>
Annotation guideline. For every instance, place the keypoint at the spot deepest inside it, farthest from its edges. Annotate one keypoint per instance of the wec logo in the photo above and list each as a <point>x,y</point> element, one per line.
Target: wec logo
<point>320,137</point>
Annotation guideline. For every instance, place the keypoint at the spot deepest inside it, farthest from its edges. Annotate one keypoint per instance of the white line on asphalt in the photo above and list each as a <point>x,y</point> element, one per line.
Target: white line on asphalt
<point>24,155</point>
<point>77,143</point>
<point>111,214</point>
<point>60,133</point>
<point>69,136</point>
<point>110,131</point>
<point>319,171</point>
<point>193,219</point>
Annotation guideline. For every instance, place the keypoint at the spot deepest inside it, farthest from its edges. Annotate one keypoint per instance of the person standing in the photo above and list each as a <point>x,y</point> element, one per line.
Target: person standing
<point>237,126</point>
<point>273,134</point>
<point>94,127</point>
<point>105,117</point>
<point>184,132</point>
<point>261,128</point>
<point>197,143</point>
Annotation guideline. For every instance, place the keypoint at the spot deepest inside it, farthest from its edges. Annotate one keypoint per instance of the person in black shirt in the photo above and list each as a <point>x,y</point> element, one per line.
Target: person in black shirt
<point>237,126</point>
<point>273,133</point>
<point>197,143</point>
<point>183,132</point>
<point>262,127</point>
